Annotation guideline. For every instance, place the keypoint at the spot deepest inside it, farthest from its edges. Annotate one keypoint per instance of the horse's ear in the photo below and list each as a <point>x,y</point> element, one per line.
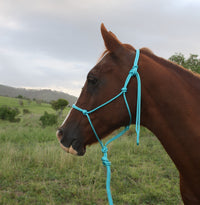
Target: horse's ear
<point>110,40</point>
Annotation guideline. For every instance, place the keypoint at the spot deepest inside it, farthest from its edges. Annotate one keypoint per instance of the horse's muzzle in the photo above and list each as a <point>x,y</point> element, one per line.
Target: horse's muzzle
<point>70,147</point>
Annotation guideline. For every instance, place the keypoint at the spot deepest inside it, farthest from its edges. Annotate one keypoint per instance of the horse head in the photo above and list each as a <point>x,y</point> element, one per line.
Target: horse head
<point>104,81</point>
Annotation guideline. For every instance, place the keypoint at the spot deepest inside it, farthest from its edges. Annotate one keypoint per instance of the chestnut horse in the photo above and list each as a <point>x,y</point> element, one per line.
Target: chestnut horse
<point>170,108</point>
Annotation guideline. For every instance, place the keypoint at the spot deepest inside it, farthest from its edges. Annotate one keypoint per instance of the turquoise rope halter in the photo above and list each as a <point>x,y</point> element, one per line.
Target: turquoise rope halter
<point>105,161</point>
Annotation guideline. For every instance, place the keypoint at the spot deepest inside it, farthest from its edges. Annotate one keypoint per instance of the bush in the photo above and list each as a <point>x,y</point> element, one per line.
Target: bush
<point>8,113</point>
<point>48,119</point>
<point>26,111</point>
<point>20,97</point>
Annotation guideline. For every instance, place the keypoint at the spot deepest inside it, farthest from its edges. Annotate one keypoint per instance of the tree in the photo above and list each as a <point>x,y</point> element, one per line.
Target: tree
<point>192,63</point>
<point>59,104</point>
<point>178,58</point>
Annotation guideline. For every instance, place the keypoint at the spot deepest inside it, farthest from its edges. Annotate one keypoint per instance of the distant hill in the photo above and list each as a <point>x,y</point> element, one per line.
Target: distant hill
<point>43,94</point>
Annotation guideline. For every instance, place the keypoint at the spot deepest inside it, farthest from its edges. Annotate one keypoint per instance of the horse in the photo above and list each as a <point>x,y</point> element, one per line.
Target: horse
<point>170,97</point>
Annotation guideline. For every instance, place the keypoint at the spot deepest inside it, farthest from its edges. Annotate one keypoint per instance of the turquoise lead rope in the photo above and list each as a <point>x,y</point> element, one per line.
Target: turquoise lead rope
<point>104,149</point>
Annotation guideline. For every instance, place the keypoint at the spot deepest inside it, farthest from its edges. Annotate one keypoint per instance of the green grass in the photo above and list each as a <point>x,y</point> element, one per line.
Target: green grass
<point>35,170</point>
<point>32,105</point>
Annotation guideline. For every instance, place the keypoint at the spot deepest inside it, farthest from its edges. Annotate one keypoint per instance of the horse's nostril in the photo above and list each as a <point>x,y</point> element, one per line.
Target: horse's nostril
<point>59,133</point>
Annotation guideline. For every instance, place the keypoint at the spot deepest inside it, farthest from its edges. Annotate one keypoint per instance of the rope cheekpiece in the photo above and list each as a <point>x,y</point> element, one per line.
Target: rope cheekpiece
<point>105,161</point>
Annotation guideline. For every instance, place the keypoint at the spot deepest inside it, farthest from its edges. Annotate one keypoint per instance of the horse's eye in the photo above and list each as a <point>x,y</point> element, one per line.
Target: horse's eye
<point>92,80</point>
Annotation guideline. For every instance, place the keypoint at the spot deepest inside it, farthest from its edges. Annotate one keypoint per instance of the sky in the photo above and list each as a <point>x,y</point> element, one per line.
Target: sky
<point>49,44</point>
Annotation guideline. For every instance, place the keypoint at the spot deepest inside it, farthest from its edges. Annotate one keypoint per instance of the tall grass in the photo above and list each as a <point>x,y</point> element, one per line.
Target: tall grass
<point>35,170</point>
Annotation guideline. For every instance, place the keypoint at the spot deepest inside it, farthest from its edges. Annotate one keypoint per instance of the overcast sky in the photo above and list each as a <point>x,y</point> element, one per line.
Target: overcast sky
<point>53,44</point>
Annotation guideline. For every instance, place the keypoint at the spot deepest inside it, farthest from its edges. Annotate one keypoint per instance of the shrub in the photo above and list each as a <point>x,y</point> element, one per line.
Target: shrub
<point>8,113</point>
<point>48,119</point>
<point>20,97</point>
<point>26,111</point>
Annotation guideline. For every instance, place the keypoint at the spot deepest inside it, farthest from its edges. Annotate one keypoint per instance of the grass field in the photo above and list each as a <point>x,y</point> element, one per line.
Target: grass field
<point>34,169</point>
<point>31,105</point>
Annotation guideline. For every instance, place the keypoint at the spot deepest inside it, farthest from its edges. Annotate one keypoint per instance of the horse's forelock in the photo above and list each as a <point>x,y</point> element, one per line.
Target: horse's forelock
<point>102,55</point>
<point>128,46</point>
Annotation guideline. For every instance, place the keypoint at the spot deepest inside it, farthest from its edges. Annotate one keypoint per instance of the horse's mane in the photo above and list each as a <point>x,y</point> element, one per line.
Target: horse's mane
<point>191,76</point>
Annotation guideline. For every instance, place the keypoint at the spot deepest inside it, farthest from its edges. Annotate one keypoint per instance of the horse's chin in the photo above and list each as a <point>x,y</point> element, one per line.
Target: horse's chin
<point>71,150</point>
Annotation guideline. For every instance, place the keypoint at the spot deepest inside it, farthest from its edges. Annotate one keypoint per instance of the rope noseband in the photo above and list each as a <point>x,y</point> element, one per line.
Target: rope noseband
<point>105,161</point>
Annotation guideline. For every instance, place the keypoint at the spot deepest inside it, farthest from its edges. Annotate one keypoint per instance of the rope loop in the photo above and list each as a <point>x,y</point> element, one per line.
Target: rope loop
<point>133,71</point>
<point>124,90</point>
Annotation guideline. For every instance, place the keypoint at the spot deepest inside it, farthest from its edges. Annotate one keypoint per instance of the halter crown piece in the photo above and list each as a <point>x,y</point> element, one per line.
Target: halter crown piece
<point>105,161</point>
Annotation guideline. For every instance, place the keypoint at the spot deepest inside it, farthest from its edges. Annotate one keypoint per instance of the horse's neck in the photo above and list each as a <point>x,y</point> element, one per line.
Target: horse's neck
<point>170,109</point>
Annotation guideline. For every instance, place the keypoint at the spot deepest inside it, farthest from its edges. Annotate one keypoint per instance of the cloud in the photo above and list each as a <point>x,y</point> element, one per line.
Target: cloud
<point>53,44</point>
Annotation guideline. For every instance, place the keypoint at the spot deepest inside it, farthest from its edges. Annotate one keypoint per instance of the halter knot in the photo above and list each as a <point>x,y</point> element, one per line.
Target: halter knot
<point>133,71</point>
<point>104,149</point>
<point>105,161</point>
<point>124,89</point>
<point>127,128</point>
<point>85,112</point>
